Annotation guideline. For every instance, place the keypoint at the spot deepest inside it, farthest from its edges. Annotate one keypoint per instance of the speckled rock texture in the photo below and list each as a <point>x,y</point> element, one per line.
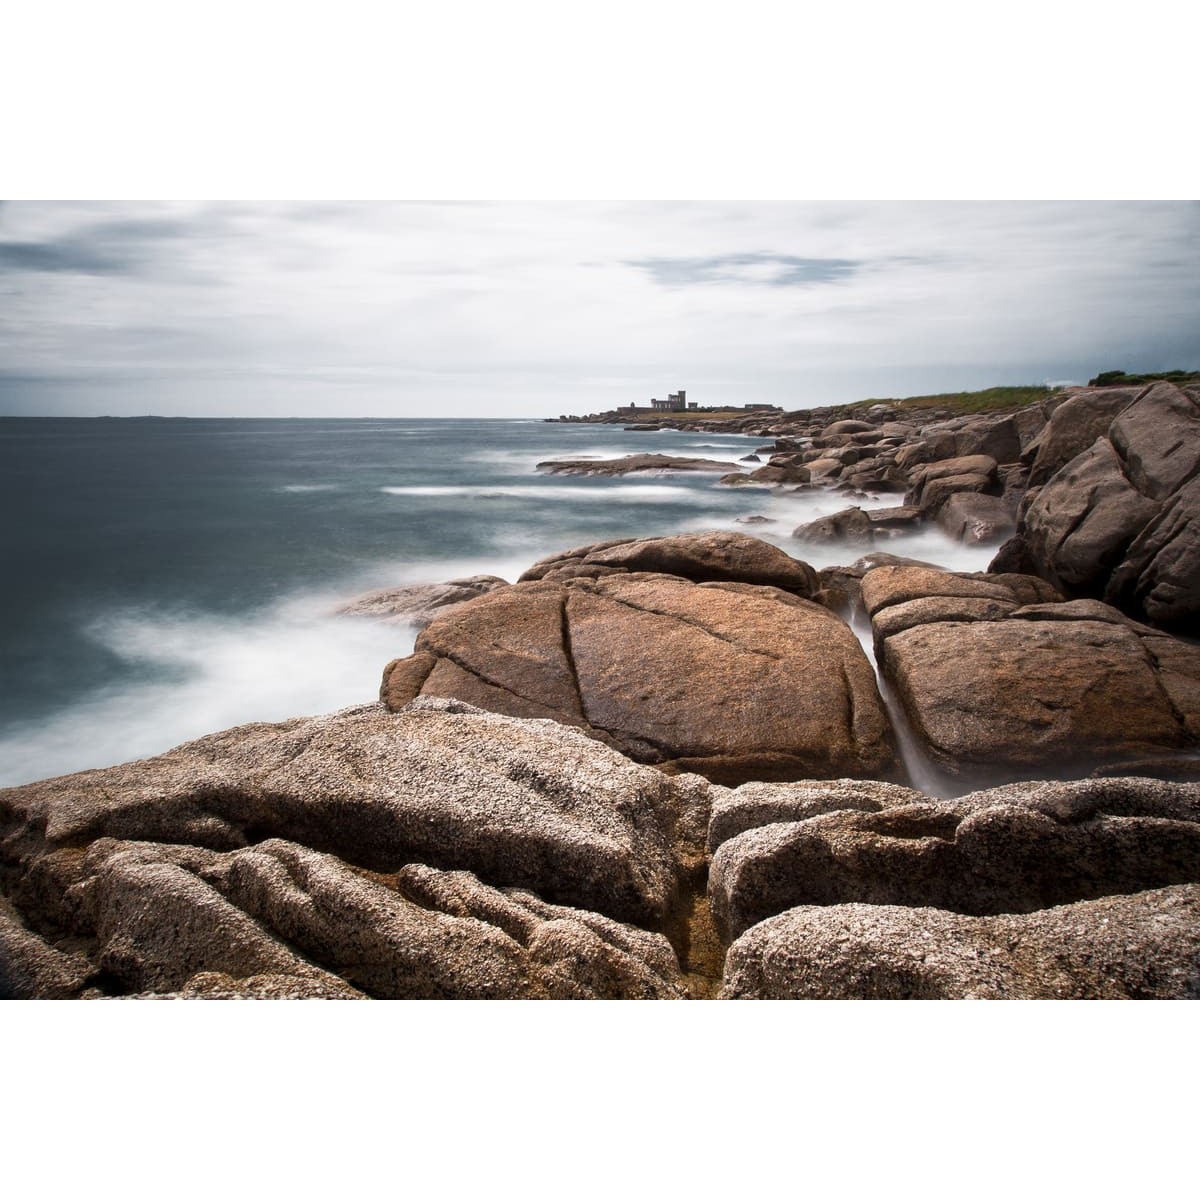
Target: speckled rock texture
<point>1113,506</point>
<point>1142,947</point>
<point>438,852</point>
<point>1005,850</point>
<point>997,675</point>
<point>730,680</point>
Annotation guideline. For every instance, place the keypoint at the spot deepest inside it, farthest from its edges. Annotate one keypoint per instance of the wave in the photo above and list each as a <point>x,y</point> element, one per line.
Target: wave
<point>194,674</point>
<point>308,487</point>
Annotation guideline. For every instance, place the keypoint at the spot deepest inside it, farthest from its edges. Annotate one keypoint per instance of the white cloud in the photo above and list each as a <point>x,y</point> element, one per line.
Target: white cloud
<point>526,309</point>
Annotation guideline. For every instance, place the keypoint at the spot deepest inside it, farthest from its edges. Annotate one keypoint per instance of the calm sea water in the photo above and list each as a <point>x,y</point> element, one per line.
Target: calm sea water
<point>166,578</point>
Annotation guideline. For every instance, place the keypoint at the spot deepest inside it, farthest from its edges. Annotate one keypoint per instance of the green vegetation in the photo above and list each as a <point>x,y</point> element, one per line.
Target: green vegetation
<point>1117,378</point>
<point>988,400</point>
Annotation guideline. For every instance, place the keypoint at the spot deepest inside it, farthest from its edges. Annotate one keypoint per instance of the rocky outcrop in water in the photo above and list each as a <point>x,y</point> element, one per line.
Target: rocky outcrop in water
<point>418,604</point>
<point>629,465</point>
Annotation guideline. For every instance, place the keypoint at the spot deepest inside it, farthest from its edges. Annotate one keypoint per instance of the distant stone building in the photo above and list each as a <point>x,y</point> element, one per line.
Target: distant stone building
<point>675,402</point>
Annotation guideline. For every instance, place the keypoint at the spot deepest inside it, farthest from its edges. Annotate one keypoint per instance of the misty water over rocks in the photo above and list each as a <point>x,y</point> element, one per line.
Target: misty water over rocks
<point>166,578</point>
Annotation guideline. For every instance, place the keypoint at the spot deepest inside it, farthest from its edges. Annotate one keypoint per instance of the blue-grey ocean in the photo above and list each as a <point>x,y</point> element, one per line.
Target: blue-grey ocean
<point>165,578</point>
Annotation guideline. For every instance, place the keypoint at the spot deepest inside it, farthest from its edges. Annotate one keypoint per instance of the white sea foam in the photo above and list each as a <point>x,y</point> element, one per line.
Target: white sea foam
<point>309,487</point>
<point>220,672</point>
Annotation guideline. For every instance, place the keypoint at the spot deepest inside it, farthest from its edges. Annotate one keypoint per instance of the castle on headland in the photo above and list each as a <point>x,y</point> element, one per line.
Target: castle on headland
<point>675,402</point>
<point>678,402</point>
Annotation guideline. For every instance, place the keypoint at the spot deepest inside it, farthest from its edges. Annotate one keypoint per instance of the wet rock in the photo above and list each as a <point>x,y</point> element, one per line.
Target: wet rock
<point>1124,947</point>
<point>976,519</point>
<point>630,464</point>
<point>899,517</point>
<point>774,473</point>
<point>850,525</point>
<point>418,604</point>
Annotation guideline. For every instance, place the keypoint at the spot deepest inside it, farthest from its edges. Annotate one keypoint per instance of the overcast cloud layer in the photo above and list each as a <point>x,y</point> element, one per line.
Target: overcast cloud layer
<point>534,310</point>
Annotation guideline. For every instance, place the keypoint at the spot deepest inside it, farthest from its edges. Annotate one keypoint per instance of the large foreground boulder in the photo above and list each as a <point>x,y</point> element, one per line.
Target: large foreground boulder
<point>439,852</point>
<point>731,680</point>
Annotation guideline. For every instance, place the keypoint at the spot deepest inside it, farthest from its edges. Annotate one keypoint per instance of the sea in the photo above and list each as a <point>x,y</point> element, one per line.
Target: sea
<point>164,578</point>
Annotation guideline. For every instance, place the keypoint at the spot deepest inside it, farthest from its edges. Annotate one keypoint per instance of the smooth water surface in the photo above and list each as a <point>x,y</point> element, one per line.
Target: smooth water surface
<point>165,578</point>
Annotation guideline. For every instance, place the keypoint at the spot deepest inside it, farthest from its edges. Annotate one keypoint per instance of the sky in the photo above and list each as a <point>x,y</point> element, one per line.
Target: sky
<point>534,309</point>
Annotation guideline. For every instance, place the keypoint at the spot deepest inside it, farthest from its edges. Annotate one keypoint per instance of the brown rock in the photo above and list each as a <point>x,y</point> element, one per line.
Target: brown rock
<point>535,806</point>
<point>976,519</point>
<point>731,680</point>
<point>850,525</point>
<point>1009,849</point>
<point>1072,428</point>
<point>716,557</point>
<point>31,968</point>
<point>1158,440</point>
<point>996,437</point>
<point>1159,578</point>
<point>1123,947</point>
<point>629,465</point>
<point>1018,695</point>
<point>418,604</point>
<point>1078,528</point>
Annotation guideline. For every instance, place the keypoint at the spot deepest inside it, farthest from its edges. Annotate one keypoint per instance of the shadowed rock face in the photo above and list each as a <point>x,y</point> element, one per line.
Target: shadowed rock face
<point>1006,850</point>
<point>996,675</point>
<point>730,680</point>
<point>442,852</point>
<point>1118,517</point>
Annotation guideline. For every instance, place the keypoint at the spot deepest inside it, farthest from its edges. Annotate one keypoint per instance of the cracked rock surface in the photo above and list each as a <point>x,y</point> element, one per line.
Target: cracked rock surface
<point>731,680</point>
<point>997,674</point>
<point>1113,506</point>
<point>443,852</point>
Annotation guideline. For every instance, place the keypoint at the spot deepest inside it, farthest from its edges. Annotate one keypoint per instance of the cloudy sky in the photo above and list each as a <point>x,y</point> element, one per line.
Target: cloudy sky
<point>510,309</point>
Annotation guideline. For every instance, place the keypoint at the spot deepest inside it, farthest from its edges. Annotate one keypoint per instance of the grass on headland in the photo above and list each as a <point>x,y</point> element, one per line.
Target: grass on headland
<point>988,400</point>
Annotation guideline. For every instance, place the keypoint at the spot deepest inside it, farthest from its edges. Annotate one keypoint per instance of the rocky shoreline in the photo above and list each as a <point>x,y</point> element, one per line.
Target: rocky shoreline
<point>687,767</point>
